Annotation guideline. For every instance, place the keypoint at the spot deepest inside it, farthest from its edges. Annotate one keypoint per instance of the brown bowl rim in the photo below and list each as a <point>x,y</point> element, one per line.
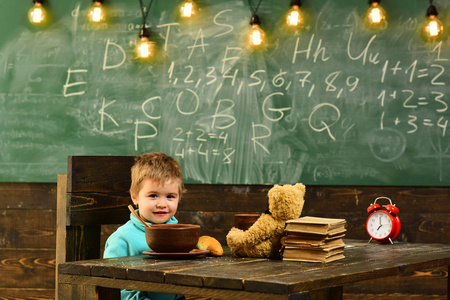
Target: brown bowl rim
<point>246,215</point>
<point>174,226</point>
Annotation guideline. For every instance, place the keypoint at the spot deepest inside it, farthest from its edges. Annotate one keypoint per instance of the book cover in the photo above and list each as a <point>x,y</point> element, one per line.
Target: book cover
<point>314,236</point>
<point>316,225</point>
<point>290,240</point>
<point>315,259</point>
<point>292,253</point>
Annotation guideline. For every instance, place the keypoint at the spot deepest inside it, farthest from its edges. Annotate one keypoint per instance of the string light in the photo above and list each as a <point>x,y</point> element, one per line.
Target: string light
<point>375,16</point>
<point>433,28</point>
<point>294,17</point>
<point>96,14</point>
<point>188,9</point>
<point>375,19</point>
<point>145,48</point>
<point>256,37</point>
<point>37,14</point>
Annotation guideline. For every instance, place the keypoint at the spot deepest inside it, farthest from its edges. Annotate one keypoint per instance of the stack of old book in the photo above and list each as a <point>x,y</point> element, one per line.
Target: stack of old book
<point>313,239</point>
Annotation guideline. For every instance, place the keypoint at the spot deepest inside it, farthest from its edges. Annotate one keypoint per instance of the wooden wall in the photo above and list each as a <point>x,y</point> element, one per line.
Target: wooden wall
<point>28,235</point>
<point>27,240</point>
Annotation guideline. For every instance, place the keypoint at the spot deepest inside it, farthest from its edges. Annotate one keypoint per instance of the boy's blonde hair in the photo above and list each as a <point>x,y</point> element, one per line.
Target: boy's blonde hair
<point>157,166</point>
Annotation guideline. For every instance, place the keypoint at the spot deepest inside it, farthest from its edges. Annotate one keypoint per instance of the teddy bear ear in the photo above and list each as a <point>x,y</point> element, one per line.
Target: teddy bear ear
<point>300,186</point>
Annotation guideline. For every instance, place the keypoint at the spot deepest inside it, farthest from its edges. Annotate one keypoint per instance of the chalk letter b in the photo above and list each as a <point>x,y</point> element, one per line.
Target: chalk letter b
<point>221,114</point>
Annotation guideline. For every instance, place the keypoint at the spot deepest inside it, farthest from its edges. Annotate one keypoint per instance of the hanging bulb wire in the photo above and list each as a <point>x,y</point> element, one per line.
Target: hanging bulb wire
<point>431,9</point>
<point>145,13</point>
<point>254,10</point>
<point>144,48</point>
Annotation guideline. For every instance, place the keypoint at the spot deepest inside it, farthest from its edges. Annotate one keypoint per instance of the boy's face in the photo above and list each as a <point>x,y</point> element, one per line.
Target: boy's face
<point>157,201</point>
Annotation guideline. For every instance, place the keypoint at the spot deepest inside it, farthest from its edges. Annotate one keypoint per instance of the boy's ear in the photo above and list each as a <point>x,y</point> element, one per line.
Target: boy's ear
<point>134,198</point>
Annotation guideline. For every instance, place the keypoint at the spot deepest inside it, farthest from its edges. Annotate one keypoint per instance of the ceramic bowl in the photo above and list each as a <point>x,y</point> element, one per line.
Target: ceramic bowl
<point>174,238</point>
<point>245,221</point>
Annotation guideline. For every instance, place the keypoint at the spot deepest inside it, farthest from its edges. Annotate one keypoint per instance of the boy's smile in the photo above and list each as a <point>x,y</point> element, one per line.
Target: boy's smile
<point>157,201</point>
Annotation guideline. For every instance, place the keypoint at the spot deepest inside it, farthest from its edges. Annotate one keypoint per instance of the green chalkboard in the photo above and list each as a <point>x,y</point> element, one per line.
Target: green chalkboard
<point>334,103</point>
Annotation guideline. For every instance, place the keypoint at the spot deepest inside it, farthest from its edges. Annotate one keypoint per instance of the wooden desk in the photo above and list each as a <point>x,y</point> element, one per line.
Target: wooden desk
<point>228,277</point>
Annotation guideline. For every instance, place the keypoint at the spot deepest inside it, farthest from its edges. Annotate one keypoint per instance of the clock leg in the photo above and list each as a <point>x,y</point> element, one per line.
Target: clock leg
<point>369,240</point>
<point>391,241</point>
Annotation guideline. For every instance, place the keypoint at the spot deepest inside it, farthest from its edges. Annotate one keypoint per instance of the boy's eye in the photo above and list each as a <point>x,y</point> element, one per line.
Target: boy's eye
<point>152,195</point>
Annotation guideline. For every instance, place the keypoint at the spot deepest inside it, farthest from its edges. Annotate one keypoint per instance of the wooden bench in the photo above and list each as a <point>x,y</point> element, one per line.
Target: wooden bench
<point>93,198</point>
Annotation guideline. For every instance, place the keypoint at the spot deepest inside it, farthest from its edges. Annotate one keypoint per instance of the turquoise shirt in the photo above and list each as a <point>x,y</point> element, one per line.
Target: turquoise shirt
<point>129,240</point>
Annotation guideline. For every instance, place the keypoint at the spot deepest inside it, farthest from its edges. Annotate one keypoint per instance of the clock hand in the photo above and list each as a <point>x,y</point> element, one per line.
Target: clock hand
<point>380,223</point>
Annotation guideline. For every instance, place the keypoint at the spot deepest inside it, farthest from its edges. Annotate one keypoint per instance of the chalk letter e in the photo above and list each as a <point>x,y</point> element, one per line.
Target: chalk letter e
<point>68,85</point>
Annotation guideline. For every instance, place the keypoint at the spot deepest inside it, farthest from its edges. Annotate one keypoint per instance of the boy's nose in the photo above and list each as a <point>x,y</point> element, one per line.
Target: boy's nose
<point>161,204</point>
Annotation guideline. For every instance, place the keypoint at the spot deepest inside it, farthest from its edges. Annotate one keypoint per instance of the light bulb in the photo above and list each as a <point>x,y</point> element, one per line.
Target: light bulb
<point>144,49</point>
<point>376,16</point>
<point>294,17</point>
<point>256,37</point>
<point>96,13</point>
<point>188,9</point>
<point>37,14</point>
<point>433,28</point>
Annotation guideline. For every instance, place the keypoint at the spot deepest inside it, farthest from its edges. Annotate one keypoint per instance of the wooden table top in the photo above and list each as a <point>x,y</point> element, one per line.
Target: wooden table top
<point>229,275</point>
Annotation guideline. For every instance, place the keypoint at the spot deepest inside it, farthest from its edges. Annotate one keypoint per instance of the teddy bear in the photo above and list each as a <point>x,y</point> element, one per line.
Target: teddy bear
<point>263,238</point>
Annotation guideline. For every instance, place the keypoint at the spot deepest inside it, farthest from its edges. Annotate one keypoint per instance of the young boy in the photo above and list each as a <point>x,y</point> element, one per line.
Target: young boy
<point>156,188</point>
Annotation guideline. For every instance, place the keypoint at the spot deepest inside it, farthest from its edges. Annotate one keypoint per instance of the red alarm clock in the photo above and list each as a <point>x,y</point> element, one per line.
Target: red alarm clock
<point>383,223</point>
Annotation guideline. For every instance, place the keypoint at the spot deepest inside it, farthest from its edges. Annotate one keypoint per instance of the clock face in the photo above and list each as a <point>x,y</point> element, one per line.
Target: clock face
<point>379,225</point>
